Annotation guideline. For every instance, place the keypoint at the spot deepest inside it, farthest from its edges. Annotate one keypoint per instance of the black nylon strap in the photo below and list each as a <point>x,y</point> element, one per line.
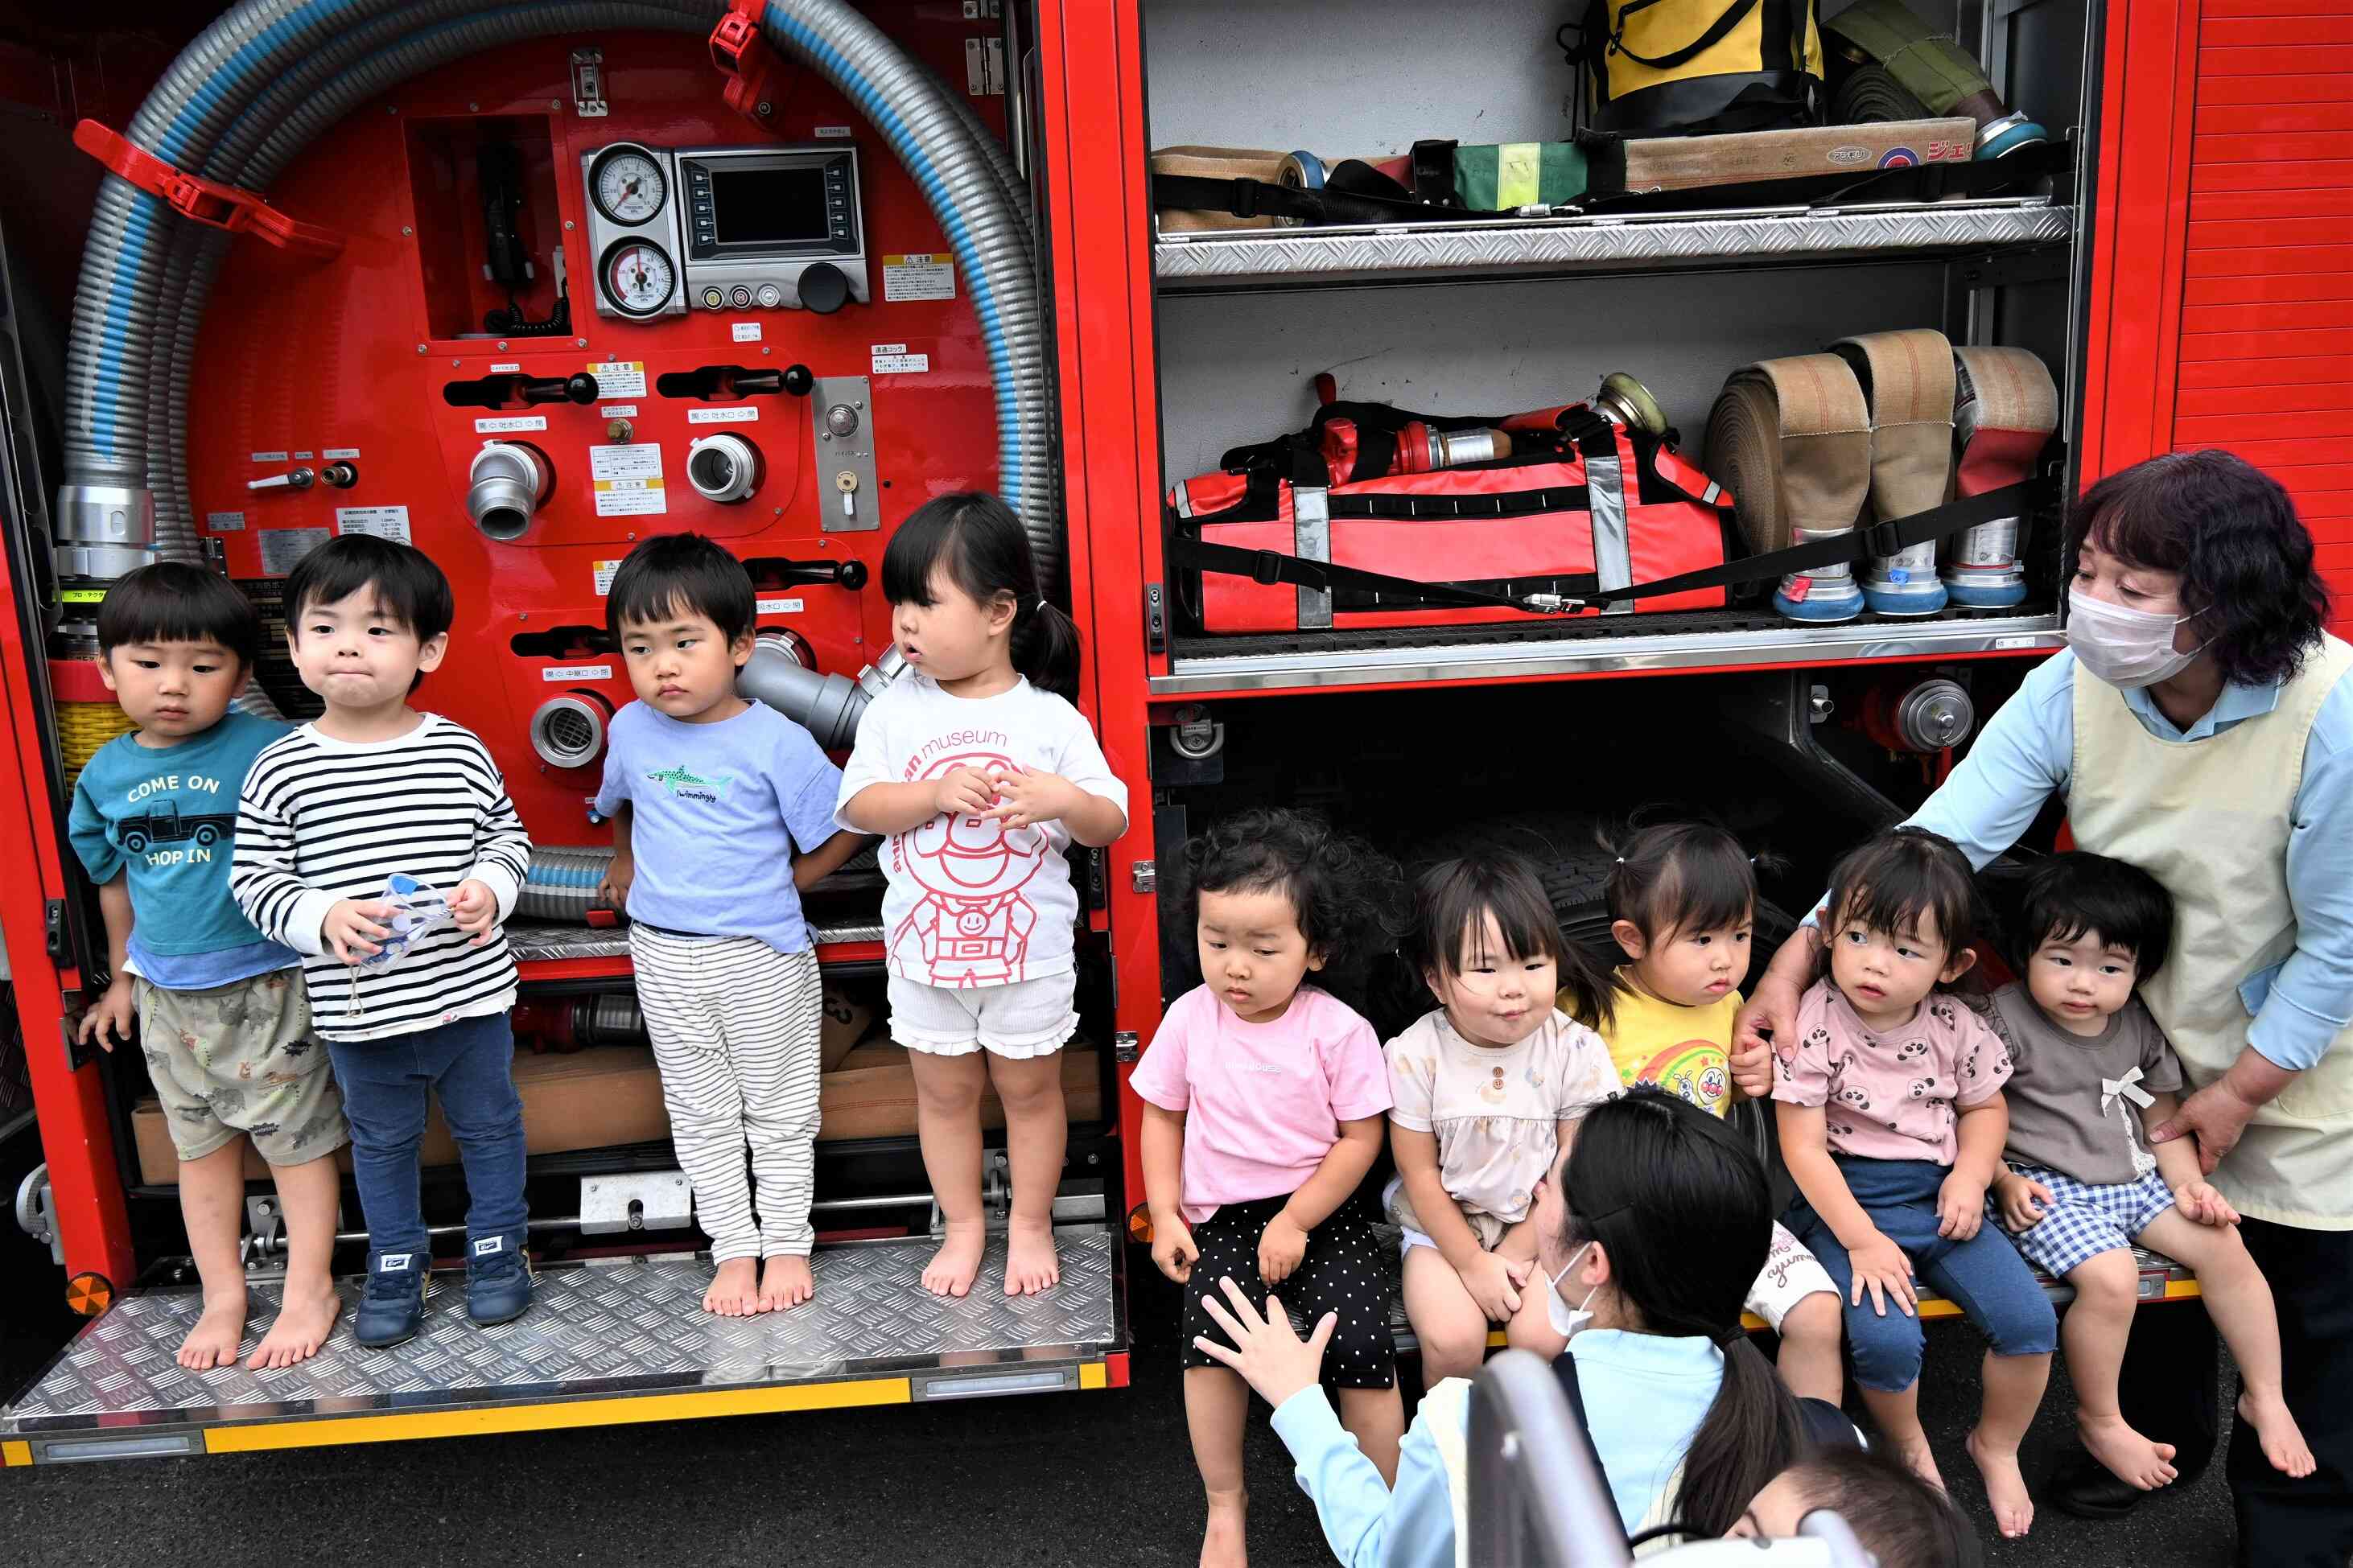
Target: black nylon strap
<point>1270,566</point>
<point>1876,539</point>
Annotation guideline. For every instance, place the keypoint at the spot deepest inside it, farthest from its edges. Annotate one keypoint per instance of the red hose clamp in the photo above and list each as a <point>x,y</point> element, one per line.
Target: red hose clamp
<point>743,57</point>
<point>229,207</point>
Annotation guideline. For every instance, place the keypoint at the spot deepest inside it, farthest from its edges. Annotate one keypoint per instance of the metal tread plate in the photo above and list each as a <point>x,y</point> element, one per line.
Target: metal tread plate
<point>607,1328</point>
<point>532,941</point>
<point>1589,644</point>
<point>1278,258</point>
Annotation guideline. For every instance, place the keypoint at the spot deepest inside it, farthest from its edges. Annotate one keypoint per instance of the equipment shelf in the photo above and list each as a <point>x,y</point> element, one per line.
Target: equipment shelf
<point>1253,259</point>
<point>1689,640</point>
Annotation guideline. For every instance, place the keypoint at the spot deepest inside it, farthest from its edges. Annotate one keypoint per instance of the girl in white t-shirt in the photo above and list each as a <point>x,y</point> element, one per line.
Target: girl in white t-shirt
<point>982,774</point>
<point>1487,1087</point>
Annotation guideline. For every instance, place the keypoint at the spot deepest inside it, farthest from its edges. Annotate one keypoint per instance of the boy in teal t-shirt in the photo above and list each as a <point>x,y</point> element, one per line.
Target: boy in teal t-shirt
<point>224,1021</point>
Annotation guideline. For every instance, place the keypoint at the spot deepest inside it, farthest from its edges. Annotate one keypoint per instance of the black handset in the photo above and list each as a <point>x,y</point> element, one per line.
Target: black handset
<point>500,169</point>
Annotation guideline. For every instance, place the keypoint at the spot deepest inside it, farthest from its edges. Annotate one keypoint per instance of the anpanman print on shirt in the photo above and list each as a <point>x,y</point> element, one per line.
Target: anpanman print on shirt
<point>971,924</point>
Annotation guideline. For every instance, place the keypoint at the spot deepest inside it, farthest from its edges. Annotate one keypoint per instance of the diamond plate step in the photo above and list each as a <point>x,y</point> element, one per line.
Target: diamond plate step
<point>618,1329</point>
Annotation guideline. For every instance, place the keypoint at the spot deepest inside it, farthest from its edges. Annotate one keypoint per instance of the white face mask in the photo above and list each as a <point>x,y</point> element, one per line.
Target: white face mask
<point>2126,648</point>
<point>1566,1319</point>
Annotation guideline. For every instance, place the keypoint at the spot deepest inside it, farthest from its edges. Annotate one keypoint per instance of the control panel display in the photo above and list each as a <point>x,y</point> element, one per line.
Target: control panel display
<point>724,228</point>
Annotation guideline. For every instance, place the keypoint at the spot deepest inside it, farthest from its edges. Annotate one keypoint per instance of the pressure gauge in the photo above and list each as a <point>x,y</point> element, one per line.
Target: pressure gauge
<point>627,185</point>
<point>638,278</point>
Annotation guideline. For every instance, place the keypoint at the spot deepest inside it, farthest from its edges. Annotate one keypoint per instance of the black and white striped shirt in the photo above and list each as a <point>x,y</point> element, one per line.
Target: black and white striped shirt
<point>323,820</point>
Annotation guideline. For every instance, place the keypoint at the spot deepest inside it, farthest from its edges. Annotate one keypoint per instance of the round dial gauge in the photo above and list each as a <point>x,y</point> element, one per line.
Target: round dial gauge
<point>628,186</point>
<point>638,278</point>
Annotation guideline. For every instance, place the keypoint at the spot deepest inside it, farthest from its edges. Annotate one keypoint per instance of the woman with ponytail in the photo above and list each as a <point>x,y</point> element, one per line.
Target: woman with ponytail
<point>1651,1229</point>
<point>982,774</point>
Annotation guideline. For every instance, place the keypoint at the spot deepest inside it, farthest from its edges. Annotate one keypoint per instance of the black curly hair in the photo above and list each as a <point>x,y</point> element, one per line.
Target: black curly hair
<point>1348,897</point>
<point>2245,559</point>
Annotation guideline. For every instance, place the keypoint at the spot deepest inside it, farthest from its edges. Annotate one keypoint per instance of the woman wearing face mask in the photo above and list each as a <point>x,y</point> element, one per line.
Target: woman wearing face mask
<point>2200,726</point>
<point>1652,1228</point>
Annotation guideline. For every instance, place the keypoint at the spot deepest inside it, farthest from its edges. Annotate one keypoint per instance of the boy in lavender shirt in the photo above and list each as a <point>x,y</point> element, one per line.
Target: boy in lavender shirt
<point>710,797</point>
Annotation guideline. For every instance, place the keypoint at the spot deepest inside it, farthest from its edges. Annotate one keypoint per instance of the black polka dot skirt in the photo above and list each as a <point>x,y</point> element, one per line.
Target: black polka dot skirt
<point>1344,1272</point>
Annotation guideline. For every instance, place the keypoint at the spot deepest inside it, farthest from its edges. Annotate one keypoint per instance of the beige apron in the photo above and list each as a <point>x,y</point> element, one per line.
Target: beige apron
<point>2212,820</point>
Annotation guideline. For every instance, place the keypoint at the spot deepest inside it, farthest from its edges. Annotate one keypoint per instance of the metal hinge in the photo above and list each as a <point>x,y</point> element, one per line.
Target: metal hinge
<point>1143,876</point>
<point>1156,619</point>
<point>1124,1046</point>
<point>53,928</point>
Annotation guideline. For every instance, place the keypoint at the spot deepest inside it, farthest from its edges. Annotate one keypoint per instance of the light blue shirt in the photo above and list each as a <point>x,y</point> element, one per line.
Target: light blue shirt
<point>2027,753</point>
<point>715,812</point>
<point>1645,1397</point>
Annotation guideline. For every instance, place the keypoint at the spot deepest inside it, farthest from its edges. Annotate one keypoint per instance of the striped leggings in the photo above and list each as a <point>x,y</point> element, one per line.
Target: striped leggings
<point>735,1025</point>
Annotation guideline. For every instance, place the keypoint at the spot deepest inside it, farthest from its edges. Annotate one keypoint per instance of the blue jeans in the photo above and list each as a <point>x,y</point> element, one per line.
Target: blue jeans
<point>1984,1276</point>
<point>470,1064</point>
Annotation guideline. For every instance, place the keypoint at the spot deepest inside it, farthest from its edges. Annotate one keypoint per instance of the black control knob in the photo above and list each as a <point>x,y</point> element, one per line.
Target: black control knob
<point>580,388</point>
<point>824,288</point>
<point>798,381</point>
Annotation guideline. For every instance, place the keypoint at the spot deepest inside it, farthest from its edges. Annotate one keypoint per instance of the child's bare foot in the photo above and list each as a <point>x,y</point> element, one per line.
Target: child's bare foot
<point>1031,1267</point>
<point>1226,1543</point>
<point>2284,1443</point>
<point>219,1331</point>
<point>734,1290</point>
<point>786,1282</point>
<point>305,1317</point>
<point>1915,1453</point>
<point>2005,1484</point>
<point>2132,1458</point>
<point>952,1268</point>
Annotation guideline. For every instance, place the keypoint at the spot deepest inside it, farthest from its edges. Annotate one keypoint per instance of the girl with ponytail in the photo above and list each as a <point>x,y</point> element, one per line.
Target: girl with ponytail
<point>1651,1229</point>
<point>982,775</point>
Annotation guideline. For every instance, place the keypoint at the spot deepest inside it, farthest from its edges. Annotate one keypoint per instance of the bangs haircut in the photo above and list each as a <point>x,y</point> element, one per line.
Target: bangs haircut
<point>1682,877</point>
<point>173,601</point>
<point>2246,560</point>
<point>1900,883</point>
<point>2067,896</point>
<point>1453,898</point>
<point>966,534</point>
<point>674,575</point>
<point>409,588</point>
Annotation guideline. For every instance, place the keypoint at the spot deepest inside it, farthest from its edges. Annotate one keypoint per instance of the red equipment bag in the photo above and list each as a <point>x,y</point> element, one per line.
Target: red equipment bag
<point>1377,517</point>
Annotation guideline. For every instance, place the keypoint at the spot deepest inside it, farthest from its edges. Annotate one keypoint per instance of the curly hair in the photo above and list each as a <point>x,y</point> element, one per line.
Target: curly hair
<point>2229,530</point>
<point>1348,897</point>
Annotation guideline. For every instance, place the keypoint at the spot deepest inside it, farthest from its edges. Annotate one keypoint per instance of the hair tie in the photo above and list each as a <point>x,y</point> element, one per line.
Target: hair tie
<point>1622,859</point>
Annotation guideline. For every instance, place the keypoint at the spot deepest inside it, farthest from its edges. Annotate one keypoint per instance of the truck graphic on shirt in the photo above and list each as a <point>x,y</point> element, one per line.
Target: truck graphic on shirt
<point>165,824</point>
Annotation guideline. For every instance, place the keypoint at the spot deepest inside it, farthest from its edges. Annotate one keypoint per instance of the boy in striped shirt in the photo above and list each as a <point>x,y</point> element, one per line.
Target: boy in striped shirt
<point>370,788</point>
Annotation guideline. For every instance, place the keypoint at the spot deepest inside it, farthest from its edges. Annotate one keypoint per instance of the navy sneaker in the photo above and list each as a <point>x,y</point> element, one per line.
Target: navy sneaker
<point>498,1281</point>
<point>392,1308</point>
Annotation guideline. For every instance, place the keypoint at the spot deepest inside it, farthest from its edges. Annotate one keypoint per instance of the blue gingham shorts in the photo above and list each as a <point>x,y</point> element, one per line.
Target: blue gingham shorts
<point>2083,1221</point>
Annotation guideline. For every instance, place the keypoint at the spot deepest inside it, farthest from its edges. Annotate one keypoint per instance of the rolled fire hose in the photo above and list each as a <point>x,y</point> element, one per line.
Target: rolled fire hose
<point>561,884</point>
<point>1791,438</point>
<point>1907,378</point>
<point>2005,408</point>
<point>265,79</point>
<point>1904,72</point>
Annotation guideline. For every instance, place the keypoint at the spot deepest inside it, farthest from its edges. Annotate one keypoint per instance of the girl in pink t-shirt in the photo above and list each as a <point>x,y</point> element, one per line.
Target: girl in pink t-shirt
<point>1264,1101</point>
<point>1892,1124</point>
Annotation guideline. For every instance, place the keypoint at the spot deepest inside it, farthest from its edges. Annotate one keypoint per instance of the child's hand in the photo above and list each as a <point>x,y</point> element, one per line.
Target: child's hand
<point>110,1016</point>
<point>1173,1251</point>
<point>475,909</point>
<point>1752,1070</point>
<point>964,792</point>
<point>1881,1267</point>
<point>355,928</point>
<point>2200,1202</point>
<point>1494,1283</point>
<point>1281,1246</point>
<point>1032,798</point>
<point>2021,1199</point>
<point>1960,1207</point>
<point>614,891</point>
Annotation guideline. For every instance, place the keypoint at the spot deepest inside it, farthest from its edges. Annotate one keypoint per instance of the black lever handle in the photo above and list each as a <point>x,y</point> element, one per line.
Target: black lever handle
<point>577,388</point>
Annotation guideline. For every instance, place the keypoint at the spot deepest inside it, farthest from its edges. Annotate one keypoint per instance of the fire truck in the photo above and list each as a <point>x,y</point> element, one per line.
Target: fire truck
<point>525,283</point>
